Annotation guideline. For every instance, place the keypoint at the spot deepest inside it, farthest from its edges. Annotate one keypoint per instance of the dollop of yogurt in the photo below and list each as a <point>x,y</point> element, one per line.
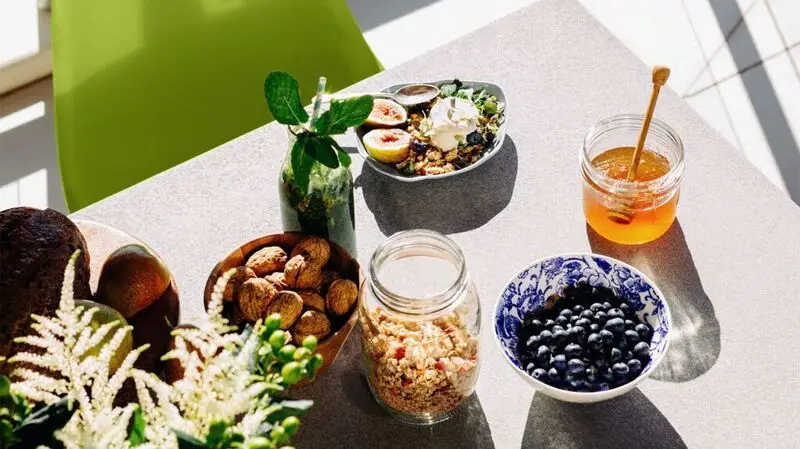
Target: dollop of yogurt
<point>451,120</point>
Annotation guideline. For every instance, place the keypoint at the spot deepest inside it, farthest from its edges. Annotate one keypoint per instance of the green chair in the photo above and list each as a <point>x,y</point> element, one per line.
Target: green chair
<point>143,85</point>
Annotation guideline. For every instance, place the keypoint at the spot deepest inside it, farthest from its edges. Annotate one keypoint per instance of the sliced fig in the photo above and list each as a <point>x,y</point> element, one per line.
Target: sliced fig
<point>386,113</point>
<point>387,145</point>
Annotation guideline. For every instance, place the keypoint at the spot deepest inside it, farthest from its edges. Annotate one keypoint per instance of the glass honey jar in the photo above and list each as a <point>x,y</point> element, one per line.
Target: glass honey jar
<point>638,211</point>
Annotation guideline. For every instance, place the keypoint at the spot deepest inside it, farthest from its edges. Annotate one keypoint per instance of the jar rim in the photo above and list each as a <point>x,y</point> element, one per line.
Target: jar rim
<point>664,182</point>
<point>407,242</point>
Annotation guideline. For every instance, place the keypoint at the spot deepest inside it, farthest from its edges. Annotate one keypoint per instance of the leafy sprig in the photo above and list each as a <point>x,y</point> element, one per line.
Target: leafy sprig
<point>314,144</point>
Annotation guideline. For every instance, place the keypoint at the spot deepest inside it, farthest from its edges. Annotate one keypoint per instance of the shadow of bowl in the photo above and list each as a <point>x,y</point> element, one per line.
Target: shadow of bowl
<point>695,339</point>
<point>449,206</point>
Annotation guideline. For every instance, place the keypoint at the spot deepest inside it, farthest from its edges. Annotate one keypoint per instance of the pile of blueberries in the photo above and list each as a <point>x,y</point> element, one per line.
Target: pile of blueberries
<point>585,339</point>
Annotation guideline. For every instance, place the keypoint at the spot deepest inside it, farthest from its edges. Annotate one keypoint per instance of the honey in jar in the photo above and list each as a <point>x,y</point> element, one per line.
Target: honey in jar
<point>637,211</point>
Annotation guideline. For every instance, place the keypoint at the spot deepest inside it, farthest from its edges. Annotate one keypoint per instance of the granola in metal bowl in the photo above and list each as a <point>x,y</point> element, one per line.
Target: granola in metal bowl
<point>420,368</point>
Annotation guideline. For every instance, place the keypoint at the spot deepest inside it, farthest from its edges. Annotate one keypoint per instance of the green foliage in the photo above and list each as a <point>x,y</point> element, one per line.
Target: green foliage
<point>314,144</point>
<point>24,426</point>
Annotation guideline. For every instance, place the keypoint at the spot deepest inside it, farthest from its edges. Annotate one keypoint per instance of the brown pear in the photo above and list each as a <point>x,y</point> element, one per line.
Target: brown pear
<point>132,279</point>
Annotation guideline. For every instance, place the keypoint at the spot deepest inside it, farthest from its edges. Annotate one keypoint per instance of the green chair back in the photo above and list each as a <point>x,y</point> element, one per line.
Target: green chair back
<point>143,85</point>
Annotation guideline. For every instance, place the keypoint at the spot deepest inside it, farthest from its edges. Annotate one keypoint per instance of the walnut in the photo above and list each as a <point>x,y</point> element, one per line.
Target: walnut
<point>341,296</point>
<point>328,276</point>
<point>311,322</point>
<point>278,280</point>
<point>241,275</point>
<point>316,250</point>
<point>267,260</point>
<point>289,305</point>
<point>254,297</point>
<point>302,275</point>
<point>312,300</point>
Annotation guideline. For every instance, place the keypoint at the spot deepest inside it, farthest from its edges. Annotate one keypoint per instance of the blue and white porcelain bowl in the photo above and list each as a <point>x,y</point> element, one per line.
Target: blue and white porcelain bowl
<point>526,294</point>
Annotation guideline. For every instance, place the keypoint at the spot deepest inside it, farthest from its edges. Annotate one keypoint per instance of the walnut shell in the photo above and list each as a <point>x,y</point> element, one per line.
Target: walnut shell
<point>267,260</point>
<point>311,322</point>
<point>254,297</point>
<point>316,250</point>
<point>278,280</point>
<point>341,296</point>
<point>289,305</point>
<point>302,275</point>
<point>312,300</point>
<point>241,275</point>
<point>328,276</point>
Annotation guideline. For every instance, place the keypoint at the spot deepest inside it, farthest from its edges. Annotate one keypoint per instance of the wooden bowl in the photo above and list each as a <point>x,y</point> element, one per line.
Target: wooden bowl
<point>340,261</point>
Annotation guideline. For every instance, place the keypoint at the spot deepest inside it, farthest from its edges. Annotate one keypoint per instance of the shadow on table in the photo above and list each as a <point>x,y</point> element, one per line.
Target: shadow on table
<point>695,337</point>
<point>345,415</point>
<point>452,205</point>
<point>628,421</point>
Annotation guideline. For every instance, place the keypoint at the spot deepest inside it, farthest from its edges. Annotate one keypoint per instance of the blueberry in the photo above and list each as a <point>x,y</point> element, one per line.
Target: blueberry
<point>558,327</point>
<point>536,326</point>
<point>606,306</point>
<point>620,369</point>
<point>577,333</point>
<point>616,355</point>
<point>560,337</point>
<point>572,351</point>
<point>575,366</point>
<point>594,328</point>
<point>545,337</point>
<point>577,384</point>
<point>554,376</point>
<point>608,376</point>
<point>591,374</point>
<point>543,354</point>
<point>615,325</point>
<point>622,344</point>
<point>533,342</point>
<point>625,307</point>
<point>530,367</point>
<point>608,337</point>
<point>635,366</point>
<point>632,336</point>
<point>596,307</point>
<point>549,323</point>
<point>474,138</point>
<point>560,362</point>
<point>601,365</point>
<point>641,350</point>
<point>629,324</point>
<point>627,356</point>
<point>588,314</point>
<point>616,313</point>
<point>577,309</point>
<point>600,317</point>
<point>566,313</point>
<point>595,341</point>
<point>602,386</point>
<point>643,330</point>
<point>561,320</point>
<point>541,374</point>
<point>583,322</point>
<point>418,146</point>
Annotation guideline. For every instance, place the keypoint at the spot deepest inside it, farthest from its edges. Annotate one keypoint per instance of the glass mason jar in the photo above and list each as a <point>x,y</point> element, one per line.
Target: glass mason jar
<point>326,208</point>
<point>631,212</point>
<point>420,323</point>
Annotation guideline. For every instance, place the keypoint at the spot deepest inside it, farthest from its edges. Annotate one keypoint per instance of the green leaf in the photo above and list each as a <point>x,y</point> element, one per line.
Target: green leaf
<point>321,150</point>
<point>186,441</point>
<point>344,114</point>
<point>37,429</point>
<point>283,99</point>
<point>344,158</point>
<point>301,162</point>
<point>137,428</point>
<point>5,386</point>
<point>288,407</point>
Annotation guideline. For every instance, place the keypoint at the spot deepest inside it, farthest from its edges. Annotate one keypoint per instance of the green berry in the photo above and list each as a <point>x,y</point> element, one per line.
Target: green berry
<point>259,443</point>
<point>302,354</point>
<point>279,434</point>
<point>277,339</point>
<point>273,322</point>
<point>291,425</point>
<point>287,353</point>
<point>310,343</point>
<point>291,373</point>
<point>315,362</point>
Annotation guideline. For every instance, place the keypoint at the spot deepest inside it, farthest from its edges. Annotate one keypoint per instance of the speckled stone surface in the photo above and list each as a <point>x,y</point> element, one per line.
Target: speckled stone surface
<point>730,267</point>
